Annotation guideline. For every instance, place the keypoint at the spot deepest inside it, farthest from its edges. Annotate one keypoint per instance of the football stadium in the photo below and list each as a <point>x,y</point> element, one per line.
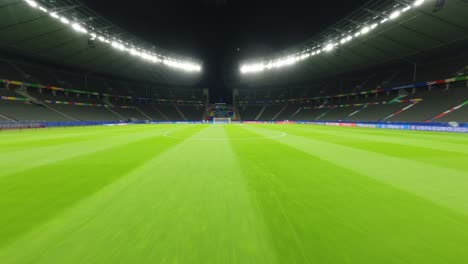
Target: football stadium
<point>219,131</point>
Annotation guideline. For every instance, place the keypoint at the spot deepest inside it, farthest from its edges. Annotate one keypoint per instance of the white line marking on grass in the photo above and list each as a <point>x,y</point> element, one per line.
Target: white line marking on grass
<point>167,134</point>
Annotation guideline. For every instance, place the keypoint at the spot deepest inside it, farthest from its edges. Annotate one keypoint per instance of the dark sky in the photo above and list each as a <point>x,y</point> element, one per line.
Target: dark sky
<point>214,30</point>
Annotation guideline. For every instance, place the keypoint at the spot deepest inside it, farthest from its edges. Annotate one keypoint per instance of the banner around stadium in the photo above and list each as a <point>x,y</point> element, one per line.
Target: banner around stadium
<point>379,90</point>
<point>417,100</point>
<point>10,98</point>
<point>54,88</point>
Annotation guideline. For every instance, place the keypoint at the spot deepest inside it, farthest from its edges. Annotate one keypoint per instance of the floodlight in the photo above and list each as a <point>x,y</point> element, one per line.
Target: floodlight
<point>418,3</point>
<point>79,28</point>
<point>395,14</point>
<point>32,3</point>
<point>365,30</point>
<point>406,9</point>
<point>329,47</point>
<point>54,15</point>
<point>64,20</point>
<point>118,46</point>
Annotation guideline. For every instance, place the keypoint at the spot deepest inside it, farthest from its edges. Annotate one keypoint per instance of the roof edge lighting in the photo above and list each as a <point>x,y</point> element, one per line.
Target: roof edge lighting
<point>152,57</point>
<point>329,46</point>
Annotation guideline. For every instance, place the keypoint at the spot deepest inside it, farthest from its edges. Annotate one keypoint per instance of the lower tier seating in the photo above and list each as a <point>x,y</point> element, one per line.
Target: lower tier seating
<point>25,111</point>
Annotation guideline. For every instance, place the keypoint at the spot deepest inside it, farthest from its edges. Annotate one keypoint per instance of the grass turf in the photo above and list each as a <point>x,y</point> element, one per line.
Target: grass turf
<point>233,194</point>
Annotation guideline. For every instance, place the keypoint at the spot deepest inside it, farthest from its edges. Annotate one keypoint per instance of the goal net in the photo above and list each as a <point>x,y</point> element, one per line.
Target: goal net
<point>218,120</point>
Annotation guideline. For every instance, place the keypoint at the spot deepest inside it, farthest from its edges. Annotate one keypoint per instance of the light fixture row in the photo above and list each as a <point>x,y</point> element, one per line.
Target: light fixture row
<point>131,50</point>
<point>326,47</point>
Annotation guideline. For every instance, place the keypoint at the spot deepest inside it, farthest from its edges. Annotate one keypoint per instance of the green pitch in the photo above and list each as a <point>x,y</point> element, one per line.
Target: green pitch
<point>233,194</point>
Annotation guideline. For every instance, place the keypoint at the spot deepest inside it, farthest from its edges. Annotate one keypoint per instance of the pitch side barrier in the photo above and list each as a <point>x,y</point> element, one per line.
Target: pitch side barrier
<point>39,124</point>
<point>435,127</point>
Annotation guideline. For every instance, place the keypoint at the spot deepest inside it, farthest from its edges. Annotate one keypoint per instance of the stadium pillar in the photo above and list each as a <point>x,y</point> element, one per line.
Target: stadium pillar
<point>235,94</point>
<point>206,93</point>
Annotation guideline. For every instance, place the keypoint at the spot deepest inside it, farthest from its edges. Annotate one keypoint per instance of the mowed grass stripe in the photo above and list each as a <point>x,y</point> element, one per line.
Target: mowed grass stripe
<point>438,141</point>
<point>188,205</point>
<point>21,138</point>
<point>30,157</point>
<point>321,212</point>
<point>441,185</point>
<point>34,195</point>
<point>386,133</point>
<point>408,147</point>
<point>28,139</point>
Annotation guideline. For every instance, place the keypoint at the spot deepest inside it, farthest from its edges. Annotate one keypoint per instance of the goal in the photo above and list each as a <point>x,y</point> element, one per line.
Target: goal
<point>218,120</point>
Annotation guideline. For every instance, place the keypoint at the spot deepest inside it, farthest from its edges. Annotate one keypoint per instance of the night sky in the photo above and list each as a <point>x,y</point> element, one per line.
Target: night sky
<point>223,32</point>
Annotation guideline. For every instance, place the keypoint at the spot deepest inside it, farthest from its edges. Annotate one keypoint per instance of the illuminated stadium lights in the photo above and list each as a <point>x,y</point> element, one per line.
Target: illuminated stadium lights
<point>406,9</point>
<point>64,20</point>
<point>32,3</point>
<point>418,3</point>
<point>329,47</point>
<point>118,44</point>
<point>79,28</point>
<point>365,30</point>
<point>361,30</point>
<point>395,14</point>
<point>54,15</point>
<point>305,56</point>
<point>346,39</point>
<point>185,66</point>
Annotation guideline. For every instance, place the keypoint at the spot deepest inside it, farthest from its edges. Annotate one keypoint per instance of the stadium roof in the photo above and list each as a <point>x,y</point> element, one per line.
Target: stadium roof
<point>68,33</point>
<point>431,25</point>
<point>33,33</point>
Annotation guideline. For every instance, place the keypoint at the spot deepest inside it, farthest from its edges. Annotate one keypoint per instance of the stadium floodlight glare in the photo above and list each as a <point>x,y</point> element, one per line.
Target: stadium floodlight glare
<point>406,9</point>
<point>79,28</point>
<point>346,39</point>
<point>54,15</point>
<point>418,3</point>
<point>365,30</point>
<point>395,14</point>
<point>117,44</point>
<point>336,41</point>
<point>134,52</point>
<point>32,3</point>
<point>329,47</point>
<point>64,20</point>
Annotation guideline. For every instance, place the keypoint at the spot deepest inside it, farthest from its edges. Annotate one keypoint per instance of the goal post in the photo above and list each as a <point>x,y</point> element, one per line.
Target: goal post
<point>218,120</point>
